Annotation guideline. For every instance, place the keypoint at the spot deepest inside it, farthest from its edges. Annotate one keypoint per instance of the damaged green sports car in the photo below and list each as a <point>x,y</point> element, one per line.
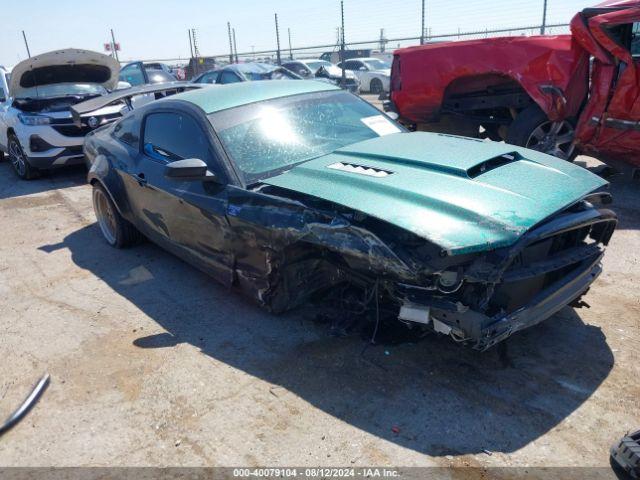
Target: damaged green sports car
<point>298,191</point>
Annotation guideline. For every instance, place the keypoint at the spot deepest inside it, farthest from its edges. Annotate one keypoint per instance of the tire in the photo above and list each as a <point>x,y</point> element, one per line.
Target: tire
<point>533,129</point>
<point>117,231</point>
<point>18,159</point>
<point>376,86</point>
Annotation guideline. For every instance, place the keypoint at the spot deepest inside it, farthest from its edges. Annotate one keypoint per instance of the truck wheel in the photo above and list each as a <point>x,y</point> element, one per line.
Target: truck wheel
<point>117,231</point>
<point>19,160</point>
<point>376,86</point>
<point>533,129</point>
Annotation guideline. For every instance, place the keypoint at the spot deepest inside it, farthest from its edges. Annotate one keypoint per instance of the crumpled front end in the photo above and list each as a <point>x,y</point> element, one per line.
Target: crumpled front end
<point>359,266</point>
<point>507,290</point>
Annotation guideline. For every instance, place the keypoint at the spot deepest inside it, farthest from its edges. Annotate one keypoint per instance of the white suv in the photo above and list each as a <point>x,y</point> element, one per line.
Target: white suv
<point>4,96</point>
<point>36,127</point>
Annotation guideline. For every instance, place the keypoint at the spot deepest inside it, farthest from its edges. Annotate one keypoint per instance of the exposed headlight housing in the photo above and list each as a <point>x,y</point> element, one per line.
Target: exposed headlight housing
<point>33,120</point>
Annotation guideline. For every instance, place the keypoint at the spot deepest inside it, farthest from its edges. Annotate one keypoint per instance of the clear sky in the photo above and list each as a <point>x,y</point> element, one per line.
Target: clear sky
<point>153,29</point>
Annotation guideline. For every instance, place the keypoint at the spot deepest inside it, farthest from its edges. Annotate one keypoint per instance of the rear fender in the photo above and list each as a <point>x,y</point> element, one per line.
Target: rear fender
<point>102,173</point>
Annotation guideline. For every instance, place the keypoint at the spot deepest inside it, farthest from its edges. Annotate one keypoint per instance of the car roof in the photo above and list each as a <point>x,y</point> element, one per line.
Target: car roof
<point>221,97</point>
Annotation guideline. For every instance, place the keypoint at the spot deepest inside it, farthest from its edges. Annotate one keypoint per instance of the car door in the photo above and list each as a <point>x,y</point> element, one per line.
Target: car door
<point>618,130</point>
<point>187,217</point>
<point>133,74</point>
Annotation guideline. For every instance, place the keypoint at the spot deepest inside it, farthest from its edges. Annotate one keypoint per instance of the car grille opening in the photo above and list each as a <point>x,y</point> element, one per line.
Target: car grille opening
<point>542,263</point>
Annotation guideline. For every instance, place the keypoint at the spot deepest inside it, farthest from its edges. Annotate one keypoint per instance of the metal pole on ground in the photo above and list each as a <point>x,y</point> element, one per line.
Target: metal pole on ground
<point>343,80</point>
<point>190,43</point>
<point>290,51</point>
<point>196,52</point>
<point>230,43</point>
<point>422,30</point>
<point>279,60</point>
<point>26,44</point>
<point>543,27</point>
<point>235,45</point>
<point>115,50</point>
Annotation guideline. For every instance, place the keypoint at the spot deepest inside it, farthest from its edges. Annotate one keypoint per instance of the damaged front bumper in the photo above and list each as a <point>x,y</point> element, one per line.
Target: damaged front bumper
<point>519,294</point>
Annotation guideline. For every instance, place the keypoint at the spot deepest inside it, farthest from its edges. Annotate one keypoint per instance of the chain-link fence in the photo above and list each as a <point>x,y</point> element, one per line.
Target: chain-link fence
<point>366,27</point>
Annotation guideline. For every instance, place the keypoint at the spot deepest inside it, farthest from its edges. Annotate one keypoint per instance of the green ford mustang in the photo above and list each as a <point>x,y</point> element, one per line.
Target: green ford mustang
<point>294,192</point>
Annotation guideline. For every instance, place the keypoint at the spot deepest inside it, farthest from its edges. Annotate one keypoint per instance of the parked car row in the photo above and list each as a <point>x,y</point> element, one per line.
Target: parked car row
<point>246,72</point>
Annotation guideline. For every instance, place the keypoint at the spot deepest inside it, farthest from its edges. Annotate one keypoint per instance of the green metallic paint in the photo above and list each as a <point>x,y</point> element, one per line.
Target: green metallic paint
<point>220,97</point>
<point>431,194</point>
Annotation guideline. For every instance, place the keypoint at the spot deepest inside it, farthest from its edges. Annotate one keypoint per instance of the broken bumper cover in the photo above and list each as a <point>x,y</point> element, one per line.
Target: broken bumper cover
<point>544,305</point>
<point>488,331</point>
<point>550,281</point>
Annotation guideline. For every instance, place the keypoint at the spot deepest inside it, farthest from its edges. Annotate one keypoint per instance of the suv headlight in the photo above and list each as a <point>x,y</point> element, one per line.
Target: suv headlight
<point>34,120</point>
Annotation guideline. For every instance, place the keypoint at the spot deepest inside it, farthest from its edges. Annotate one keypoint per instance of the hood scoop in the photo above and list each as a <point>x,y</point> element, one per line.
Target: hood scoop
<point>493,163</point>
<point>360,169</point>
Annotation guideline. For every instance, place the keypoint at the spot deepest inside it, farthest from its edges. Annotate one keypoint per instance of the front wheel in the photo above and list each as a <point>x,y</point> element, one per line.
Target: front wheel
<point>19,161</point>
<point>533,129</point>
<point>117,231</point>
<point>376,86</point>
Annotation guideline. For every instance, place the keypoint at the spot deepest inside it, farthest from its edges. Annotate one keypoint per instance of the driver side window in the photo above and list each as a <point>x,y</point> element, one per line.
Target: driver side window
<point>228,77</point>
<point>175,136</point>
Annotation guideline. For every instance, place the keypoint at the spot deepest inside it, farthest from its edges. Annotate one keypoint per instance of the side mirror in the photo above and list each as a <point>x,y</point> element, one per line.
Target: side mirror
<point>188,169</point>
<point>122,85</point>
<point>363,69</point>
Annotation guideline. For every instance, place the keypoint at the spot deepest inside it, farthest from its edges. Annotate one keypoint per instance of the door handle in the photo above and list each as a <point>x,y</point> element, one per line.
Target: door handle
<point>140,179</point>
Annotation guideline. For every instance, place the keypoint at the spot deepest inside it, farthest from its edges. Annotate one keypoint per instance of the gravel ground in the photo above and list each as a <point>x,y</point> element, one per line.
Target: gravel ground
<point>153,363</point>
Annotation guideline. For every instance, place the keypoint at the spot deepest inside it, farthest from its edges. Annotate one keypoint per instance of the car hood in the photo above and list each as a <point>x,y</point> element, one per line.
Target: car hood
<point>462,194</point>
<point>336,72</point>
<point>64,66</point>
<point>386,72</point>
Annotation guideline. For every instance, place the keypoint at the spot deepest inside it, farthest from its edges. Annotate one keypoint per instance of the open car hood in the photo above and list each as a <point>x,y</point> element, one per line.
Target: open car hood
<point>462,194</point>
<point>64,66</point>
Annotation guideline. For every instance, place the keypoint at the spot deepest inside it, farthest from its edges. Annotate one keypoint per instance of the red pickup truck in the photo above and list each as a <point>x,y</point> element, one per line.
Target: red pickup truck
<point>560,94</point>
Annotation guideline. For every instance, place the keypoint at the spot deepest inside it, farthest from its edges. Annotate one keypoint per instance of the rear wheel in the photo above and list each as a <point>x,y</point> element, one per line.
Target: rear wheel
<point>19,160</point>
<point>376,86</point>
<point>533,129</point>
<point>117,231</point>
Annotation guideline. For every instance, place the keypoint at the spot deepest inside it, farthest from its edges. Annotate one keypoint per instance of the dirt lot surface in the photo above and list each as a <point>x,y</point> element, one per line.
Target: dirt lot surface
<point>153,363</point>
